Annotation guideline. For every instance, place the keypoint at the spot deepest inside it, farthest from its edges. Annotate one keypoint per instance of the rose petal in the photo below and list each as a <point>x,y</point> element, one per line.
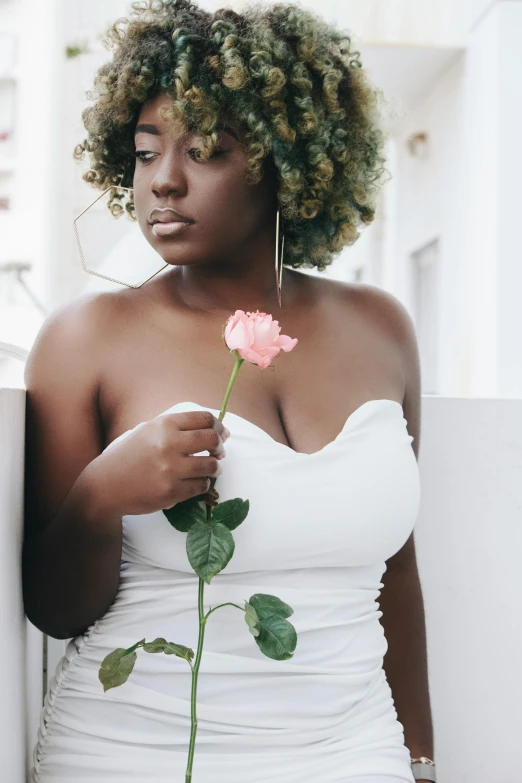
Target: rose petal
<point>286,343</point>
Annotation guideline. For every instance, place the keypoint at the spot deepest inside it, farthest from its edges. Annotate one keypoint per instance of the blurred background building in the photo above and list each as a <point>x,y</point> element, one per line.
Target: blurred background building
<point>445,240</point>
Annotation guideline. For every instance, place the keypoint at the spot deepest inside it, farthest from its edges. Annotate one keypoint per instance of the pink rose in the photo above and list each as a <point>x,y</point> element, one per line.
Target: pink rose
<point>256,337</point>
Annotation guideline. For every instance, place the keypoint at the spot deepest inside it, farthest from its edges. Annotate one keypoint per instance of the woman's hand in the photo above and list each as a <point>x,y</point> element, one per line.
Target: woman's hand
<point>152,468</point>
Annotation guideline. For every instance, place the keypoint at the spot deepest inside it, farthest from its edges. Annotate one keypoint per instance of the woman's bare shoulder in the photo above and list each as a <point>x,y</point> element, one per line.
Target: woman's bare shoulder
<point>83,318</point>
<point>378,305</point>
<point>389,312</point>
<point>363,304</point>
<point>74,336</point>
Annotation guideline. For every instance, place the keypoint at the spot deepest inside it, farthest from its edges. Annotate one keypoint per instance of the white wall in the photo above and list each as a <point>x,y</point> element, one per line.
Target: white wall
<point>468,540</point>
<point>404,22</point>
<point>466,193</point>
<point>476,10</point>
<point>430,203</point>
<point>509,181</point>
<point>36,224</point>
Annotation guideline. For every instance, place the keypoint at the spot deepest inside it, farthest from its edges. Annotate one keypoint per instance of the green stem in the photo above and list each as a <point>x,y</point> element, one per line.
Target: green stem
<point>228,603</point>
<point>239,361</point>
<point>203,618</point>
<point>195,672</point>
<point>237,366</point>
<point>134,647</point>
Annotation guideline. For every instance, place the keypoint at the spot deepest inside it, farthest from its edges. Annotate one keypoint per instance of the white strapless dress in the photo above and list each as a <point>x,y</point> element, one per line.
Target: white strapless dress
<point>317,535</point>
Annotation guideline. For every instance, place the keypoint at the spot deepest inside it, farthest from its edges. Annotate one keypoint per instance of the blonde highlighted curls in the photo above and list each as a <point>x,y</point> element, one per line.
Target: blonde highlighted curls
<point>292,82</point>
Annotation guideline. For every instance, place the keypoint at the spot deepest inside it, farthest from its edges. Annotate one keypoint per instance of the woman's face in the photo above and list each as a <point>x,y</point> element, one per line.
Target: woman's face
<point>227,214</point>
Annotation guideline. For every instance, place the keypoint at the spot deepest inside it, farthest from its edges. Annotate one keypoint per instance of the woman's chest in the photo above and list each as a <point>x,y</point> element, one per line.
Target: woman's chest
<point>354,502</point>
<point>302,400</point>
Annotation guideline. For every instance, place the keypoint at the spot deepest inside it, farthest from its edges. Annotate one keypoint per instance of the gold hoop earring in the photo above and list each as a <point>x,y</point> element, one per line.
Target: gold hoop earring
<point>84,265</point>
<point>279,264</point>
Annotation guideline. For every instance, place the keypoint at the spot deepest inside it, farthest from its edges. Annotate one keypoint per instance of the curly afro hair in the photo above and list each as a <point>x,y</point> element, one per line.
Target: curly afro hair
<point>293,84</point>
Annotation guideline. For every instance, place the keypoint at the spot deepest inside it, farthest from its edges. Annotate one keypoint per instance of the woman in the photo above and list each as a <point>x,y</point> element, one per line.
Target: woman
<point>216,121</point>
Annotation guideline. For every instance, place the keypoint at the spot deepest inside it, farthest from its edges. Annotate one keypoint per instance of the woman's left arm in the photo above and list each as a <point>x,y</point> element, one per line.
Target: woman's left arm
<point>405,661</point>
<point>401,601</point>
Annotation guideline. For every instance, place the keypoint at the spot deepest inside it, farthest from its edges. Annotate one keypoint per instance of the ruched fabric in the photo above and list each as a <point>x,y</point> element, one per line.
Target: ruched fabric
<point>318,533</point>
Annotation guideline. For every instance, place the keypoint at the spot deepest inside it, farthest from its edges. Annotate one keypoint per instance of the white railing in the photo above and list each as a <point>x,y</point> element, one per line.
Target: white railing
<point>468,541</point>
<point>18,664</point>
<point>23,656</point>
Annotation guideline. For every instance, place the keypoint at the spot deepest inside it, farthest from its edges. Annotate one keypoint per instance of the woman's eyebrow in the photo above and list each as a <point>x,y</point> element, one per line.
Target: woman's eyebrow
<point>231,131</point>
<point>147,128</point>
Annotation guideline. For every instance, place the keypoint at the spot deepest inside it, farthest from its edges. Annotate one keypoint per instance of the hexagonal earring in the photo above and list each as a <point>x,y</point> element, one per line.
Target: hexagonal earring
<point>279,259</point>
<point>84,265</point>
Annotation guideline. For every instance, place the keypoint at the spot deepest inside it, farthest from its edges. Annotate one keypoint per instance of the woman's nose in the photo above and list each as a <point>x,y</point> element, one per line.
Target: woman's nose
<point>169,175</point>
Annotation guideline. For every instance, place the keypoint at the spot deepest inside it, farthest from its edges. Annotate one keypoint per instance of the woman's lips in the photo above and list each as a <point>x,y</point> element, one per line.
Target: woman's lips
<point>167,229</point>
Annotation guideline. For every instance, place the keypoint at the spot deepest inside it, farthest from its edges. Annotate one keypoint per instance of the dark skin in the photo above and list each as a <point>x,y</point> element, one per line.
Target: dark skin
<point>127,356</point>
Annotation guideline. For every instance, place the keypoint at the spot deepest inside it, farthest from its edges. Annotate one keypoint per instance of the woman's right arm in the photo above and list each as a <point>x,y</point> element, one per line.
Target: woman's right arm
<point>75,492</point>
<point>72,539</point>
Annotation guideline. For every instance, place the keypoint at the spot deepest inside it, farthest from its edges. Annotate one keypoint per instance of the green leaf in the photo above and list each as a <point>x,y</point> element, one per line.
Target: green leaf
<point>231,512</point>
<point>156,646</point>
<point>266,605</point>
<point>169,648</point>
<point>209,548</point>
<point>251,618</point>
<point>179,650</point>
<point>277,638</point>
<point>183,515</point>
<point>116,668</point>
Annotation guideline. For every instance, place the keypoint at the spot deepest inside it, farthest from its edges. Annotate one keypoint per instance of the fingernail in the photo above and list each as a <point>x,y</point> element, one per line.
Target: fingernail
<point>227,432</point>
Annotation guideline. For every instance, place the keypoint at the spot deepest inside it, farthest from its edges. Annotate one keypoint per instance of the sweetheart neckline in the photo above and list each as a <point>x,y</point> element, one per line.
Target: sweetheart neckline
<point>353,415</point>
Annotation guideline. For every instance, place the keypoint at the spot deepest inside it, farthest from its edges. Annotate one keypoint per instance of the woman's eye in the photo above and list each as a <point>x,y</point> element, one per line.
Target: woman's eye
<point>198,150</point>
<point>139,153</point>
